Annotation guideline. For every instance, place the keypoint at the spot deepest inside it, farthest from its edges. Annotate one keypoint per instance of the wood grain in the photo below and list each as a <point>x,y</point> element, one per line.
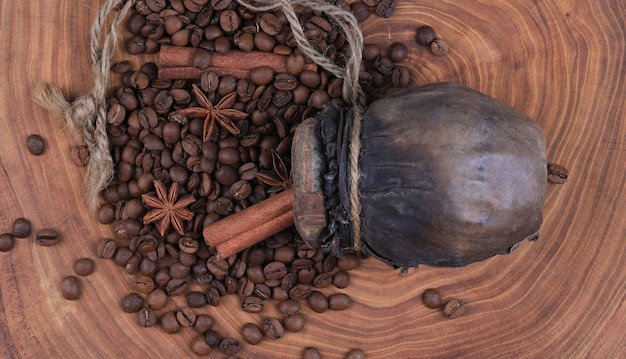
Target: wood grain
<point>561,62</point>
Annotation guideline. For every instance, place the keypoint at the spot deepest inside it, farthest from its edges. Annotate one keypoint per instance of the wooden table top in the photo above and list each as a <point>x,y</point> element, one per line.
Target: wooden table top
<point>561,62</point>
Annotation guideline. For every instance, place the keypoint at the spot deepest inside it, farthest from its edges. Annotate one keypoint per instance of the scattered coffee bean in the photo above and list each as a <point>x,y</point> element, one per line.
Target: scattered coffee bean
<point>289,307</point>
<point>454,308</point>
<point>339,301</point>
<point>341,279</point>
<point>439,47</point>
<point>557,174</point>
<point>273,328</point>
<point>169,323</point>
<point>294,323</point>
<point>144,284</point>
<point>7,242</point>
<point>318,301</point>
<point>229,346</point>
<point>35,144</point>
<point>212,338</point>
<point>47,237</point>
<point>70,288</point>
<point>199,346</point>
<point>157,299</point>
<point>355,354</point>
<point>84,266</point>
<point>397,52</point>
<point>147,317</point>
<point>386,8</point>
<point>21,228</point>
<point>432,298</point>
<point>132,303</point>
<point>311,353</point>
<point>203,323</point>
<point>251,333</point>
<point>186,317</point>
<point>425,35</point>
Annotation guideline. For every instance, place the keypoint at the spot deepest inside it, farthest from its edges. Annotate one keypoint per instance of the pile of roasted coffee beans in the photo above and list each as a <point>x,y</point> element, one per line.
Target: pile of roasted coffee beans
<point>452,309</point>
<point>153,143</point>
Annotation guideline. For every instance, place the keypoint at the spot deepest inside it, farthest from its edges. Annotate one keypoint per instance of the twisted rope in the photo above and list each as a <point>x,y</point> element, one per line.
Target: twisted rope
<point>85,116</point>
<point>351,91</point>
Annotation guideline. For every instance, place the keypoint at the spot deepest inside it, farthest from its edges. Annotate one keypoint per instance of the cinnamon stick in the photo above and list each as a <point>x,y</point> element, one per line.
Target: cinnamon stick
<point>187,72</point>
<point>233,62</point>
<point>252,225</point>
<point>249,238</point>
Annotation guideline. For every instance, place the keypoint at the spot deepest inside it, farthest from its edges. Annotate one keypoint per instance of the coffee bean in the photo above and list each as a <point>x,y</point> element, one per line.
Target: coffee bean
<point>425,35</point>
<point>273,328</point>
<point>47,237</point>
<point>186,317</point>
<point>169,323</point>
<point>222,45</point>
<point>318,99</point>
<point>84,266</point>
<point>251,333</point>
<point>311,353</point>
<point>252,304</point>
<point>285,81</point>
<point>432,298</point>
<point>274,270</point>
<point>202,59</point>
<point>132,303</point>
<point>7,242</point>
<point>203,323</point>
<point>339,301</point>
<point>116,114</point>
<point>229,346</point>
<point>157,299</point>
<point>35,144</point>
<point>212,338</point>
<point>360,11</point>
<point>196,299</point>
<point>212,295</point>
<point>289,307</point>
<point>21,228</point>
<point>341,279</point>
<point>397,52</point>
<point>264,42</point>
<point>295,63</point>
<point>348,262</point>
<point>262,291</point>
<point>400,76</point>
<point>70,288</point>
<point>384,65</point>
<point>245,42</point>
<point>144,284</point>
<point>269,23</point>
<point>299,291</point>
<point>385,8</point>
<point>188,245</point>
<point>147,317</point>
<point>439,47</point>
<point>318,301</point>
<point>294,323</point>
<point>262,75</point>
<point>355,354</point>
<point>557,174</point>
<point>199,346</point>
<point>79,155</point>
<point>454,308</point>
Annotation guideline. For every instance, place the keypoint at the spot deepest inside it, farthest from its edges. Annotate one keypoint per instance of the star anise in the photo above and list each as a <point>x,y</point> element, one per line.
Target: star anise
<point>280,178</point>
<point>168,208</point>
<point>222,113</point>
